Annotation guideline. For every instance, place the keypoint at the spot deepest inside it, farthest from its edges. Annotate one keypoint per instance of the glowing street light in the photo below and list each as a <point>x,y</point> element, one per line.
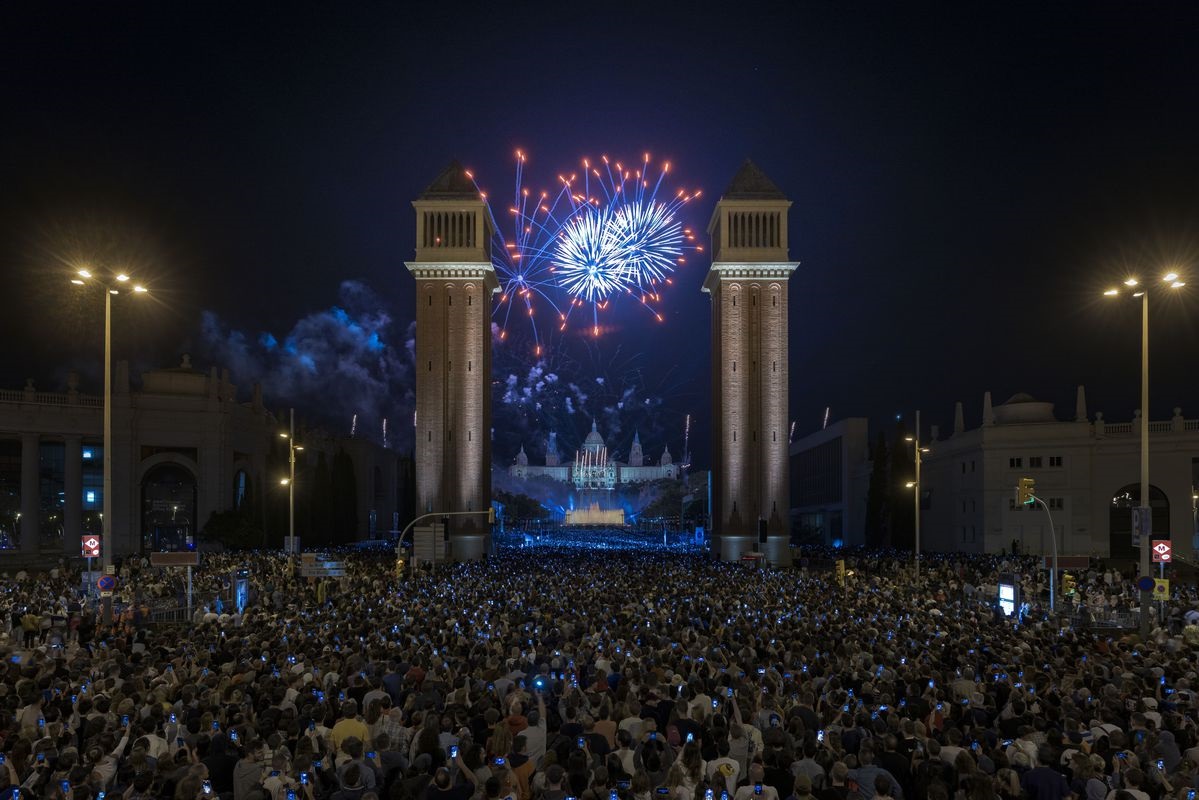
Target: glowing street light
<point>290,483</point>
<point>1173,281</point>
<point>87,277</point>
<point>914,439</point>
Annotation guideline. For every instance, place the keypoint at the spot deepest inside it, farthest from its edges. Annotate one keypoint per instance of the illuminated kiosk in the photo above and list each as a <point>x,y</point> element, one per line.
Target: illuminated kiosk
<point>747,284</point>
<point>1009,593</point>
<point>455,280</point>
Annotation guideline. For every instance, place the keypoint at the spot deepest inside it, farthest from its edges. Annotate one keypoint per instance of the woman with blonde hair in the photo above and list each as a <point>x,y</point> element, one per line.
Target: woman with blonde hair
<point>500,741</point>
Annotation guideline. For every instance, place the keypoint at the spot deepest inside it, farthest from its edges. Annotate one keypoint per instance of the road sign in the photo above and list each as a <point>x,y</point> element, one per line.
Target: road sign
<point>322,569</point>
<point>1142,524</point>
<point>1145,583</point>
<point>1161,551</point>
<point>1161,589</point>
<point>106,583</point>
<point>91,545</point>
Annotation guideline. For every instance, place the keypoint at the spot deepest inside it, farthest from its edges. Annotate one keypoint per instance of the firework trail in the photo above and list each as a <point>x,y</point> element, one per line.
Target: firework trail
<point>522,254</point>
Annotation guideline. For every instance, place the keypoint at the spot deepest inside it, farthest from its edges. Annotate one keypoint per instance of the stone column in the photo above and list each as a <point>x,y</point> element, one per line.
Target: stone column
<point>72,513</point>
<point>31,503</point>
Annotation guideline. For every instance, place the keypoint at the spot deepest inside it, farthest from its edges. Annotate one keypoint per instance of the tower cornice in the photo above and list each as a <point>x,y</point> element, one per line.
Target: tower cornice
<point>739,270</point>
<point>467,270</point>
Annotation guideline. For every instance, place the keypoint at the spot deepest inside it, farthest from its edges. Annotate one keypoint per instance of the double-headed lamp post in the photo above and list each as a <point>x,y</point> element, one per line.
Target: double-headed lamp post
<point>1134,286</point>
<point>915,487</point>
<point>112,286</point>
<point>290,483</point>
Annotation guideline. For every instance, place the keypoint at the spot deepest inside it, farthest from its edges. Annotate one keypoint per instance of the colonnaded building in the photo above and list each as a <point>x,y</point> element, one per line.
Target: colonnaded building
<point>184,445</point>
<point>1087,469</point>
<point>593,466</point>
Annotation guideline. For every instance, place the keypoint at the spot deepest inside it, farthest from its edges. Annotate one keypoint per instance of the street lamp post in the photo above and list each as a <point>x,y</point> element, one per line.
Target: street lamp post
<point>915,486</point>
<point>290,482</point>
<point>1172,280</point>
<point>110,290</point>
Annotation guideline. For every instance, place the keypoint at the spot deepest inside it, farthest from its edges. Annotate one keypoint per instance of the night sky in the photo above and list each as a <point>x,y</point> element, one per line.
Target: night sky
<point>966,180</point>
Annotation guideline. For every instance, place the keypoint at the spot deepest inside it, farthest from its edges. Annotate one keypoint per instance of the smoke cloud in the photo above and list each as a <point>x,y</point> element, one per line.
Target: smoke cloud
<point>332,363</point>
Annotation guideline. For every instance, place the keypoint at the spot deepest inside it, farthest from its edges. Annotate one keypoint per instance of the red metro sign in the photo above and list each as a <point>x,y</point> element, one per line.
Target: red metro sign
<point>1161,551</point>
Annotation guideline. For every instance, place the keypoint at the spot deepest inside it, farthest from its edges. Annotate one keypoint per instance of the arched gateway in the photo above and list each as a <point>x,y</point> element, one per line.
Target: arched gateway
<point>747,282</point>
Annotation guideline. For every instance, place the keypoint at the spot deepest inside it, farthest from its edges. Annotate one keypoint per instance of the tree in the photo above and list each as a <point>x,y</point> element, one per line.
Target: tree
<point>669,499</point>
<point>235,528</point>
<point>878,496</point>
<point>520,507</point>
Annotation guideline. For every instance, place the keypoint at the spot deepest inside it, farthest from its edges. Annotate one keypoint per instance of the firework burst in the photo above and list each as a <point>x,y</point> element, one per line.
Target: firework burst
<point>608,232</point>
<point>625,238</point>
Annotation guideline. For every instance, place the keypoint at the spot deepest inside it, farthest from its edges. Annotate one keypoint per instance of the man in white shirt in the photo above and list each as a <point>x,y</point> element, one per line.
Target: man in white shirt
<point>535,734</point>
<point>756,789</point>
<point>724,769</point>
<point>632,723</point>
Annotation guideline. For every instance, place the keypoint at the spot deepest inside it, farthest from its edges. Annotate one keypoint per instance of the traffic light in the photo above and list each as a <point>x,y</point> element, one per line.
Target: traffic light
<point>1026,491</point>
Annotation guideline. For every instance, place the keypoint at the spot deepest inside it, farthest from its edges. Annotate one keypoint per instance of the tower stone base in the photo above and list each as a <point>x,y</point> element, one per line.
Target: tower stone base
<point>469,546</point>
<point>731,547</point>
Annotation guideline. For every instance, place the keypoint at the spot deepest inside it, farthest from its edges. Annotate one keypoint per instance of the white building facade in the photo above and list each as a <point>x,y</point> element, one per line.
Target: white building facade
<point>1087,471</point>
<point>593,466</point>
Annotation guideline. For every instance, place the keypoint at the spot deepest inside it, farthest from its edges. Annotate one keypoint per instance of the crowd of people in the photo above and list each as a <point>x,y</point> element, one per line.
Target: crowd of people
<point>544,674</point>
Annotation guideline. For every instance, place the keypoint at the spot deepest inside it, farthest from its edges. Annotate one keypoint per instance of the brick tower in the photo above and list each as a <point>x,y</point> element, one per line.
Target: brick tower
<point>747,283</point>
<point>454,284</point>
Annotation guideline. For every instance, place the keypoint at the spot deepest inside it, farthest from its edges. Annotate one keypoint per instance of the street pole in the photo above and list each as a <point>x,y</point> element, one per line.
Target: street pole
<point>916,553</point>
<point>1146,569</point>
<point>291,491</point>
<point>106,542</point>
<point>1053,573</point>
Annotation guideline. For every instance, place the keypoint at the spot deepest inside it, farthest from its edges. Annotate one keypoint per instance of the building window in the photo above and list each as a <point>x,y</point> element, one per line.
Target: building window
<point>240,486</point>
<point>1056,503</point>
<point>1015,463</point>
<point>972,466</point>
<point>1034,462</point>
<point>1055,461</point>
<point>968,534</point>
